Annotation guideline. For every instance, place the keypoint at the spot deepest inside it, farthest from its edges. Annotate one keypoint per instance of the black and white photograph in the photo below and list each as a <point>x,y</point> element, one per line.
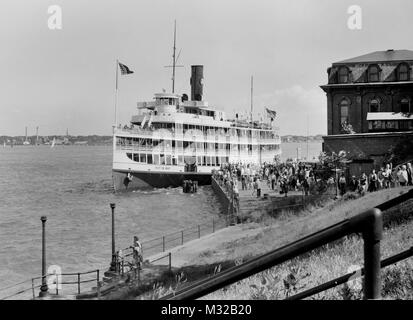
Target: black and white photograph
<point>229,152</point>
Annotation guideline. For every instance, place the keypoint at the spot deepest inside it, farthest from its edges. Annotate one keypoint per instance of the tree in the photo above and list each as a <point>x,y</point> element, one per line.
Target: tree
<point>347,128</point>
<point>334,162</point>
<point>400,152</point>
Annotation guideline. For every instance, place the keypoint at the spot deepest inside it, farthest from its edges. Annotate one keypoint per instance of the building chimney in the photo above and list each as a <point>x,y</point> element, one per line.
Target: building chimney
<point>197,75</point>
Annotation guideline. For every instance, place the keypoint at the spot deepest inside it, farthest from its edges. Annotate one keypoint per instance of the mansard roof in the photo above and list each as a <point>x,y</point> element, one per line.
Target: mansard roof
<point>380,56</point>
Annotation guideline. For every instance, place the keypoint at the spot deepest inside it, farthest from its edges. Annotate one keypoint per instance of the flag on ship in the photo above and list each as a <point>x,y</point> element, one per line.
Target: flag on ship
<point>272,114</point>
<point>143,121</point>
<point>124,69</point>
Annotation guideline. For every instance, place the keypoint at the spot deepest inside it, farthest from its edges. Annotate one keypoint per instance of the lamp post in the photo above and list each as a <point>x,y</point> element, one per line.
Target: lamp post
<point>43,289</point>
<point>113,263</point>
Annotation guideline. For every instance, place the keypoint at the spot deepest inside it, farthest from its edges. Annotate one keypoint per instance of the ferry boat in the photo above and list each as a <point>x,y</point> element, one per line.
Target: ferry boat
<point>172,139</point>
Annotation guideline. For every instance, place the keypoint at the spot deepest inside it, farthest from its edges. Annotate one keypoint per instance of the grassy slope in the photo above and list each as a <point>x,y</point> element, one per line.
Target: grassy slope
<point>325,263</point>
<point>288,226</point>
<point>313,268</point>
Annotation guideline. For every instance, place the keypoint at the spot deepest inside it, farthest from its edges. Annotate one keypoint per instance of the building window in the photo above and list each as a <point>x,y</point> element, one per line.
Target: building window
<point>344,106</point>
<point>405,106</point>
<point>403,72</point>
<point>374,105</point>
<point>343,75</point>
<point>374,73</point>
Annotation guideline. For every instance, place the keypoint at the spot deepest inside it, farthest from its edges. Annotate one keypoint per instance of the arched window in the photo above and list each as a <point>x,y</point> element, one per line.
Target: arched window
<point>374,105</point>
<point>405,105</point>
<point>343,75</point>
<point>344,111</point>
<point>403,72</point>
<point>374,75</point>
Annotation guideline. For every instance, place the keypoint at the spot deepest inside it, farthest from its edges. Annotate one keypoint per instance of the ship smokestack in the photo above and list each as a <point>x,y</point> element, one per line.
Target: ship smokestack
<point>197,75</point>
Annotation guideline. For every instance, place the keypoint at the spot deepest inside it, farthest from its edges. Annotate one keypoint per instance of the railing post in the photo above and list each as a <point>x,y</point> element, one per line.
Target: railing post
<point>33,288</point>
<point>199,231</point>
<point>182,237</point>
<point>372,234</point>
<point>163,244</point>
<point>213,225</point>
<point>57,283</point>
<point>99,285</point>
<point>78,283</point>
<point>170,261</point>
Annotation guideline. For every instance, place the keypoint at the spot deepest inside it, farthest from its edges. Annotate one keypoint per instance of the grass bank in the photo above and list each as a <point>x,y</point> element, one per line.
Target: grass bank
<point>312,268</point>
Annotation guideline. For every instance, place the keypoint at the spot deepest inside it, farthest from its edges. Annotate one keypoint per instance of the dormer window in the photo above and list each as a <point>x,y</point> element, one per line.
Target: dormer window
<point>374,73</point>
<point>343,75</point>
<point>403,72</point>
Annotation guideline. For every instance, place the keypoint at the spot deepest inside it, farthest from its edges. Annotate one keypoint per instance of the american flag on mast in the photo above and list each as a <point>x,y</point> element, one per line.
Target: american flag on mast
<point>271,114</point>
<point>124,69</point>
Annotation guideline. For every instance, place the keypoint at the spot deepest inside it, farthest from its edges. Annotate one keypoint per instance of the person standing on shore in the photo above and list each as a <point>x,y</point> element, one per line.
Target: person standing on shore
<point>273,180</point>
<point>402,176</point>
<point>137,252</point>
<point>258,185</point>
<point>342,184</point>
<point>363,183</point>
<point>373,181</point>
<point>353,184</point>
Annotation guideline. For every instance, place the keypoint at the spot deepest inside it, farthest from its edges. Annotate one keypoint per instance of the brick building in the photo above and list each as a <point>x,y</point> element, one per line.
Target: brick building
<point>369,106</point>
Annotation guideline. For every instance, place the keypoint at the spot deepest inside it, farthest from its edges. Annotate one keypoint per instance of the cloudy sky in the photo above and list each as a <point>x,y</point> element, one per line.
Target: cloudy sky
<point>58,79</point>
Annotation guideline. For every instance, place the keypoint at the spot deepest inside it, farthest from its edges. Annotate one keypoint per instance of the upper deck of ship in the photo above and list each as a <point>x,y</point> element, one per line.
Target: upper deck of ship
<point>174,108</point>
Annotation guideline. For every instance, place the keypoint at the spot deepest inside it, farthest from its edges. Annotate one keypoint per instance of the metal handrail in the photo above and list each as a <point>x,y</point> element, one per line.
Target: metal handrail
<point>78,274</point>
<point>369,223</point>
<point>343,279</point>
<point>194,229</point>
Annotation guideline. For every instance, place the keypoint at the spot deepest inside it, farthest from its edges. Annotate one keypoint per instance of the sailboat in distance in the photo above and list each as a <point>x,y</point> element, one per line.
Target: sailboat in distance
<point>53,142</point>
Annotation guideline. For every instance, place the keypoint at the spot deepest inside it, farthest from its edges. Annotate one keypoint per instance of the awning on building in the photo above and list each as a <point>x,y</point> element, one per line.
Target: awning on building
<point>374,116</point>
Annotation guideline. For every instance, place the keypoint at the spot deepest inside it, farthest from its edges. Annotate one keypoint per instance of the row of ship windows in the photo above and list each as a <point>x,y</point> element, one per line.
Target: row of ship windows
<point>145,143</point>
<point>210,130</point>
<point>161,159</point>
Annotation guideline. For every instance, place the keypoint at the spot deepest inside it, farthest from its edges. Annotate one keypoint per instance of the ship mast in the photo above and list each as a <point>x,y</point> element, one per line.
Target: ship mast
<point>174,60</point>
<point>252,86</point>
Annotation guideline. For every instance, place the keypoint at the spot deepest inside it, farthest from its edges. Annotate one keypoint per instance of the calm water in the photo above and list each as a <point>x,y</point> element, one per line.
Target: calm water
<point>289,150</point>
<point>72,186</point>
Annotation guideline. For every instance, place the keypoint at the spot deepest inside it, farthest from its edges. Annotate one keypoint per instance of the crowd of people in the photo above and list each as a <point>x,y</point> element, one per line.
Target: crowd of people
<point>308,178</point>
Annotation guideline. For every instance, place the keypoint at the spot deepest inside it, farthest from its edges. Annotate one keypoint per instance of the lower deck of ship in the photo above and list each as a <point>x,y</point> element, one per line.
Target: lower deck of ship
<point>141,179</point>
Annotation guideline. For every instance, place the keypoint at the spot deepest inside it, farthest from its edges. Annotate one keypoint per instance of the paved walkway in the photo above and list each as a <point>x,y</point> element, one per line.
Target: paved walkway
<point>188,253</point>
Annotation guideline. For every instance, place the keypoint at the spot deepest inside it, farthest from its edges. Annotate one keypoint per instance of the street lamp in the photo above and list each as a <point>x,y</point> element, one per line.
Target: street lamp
<point>43,289</point>
<point>113,263</point>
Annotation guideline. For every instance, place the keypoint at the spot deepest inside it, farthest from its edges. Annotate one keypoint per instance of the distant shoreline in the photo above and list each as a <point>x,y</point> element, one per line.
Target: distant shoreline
<point>91,140</point>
